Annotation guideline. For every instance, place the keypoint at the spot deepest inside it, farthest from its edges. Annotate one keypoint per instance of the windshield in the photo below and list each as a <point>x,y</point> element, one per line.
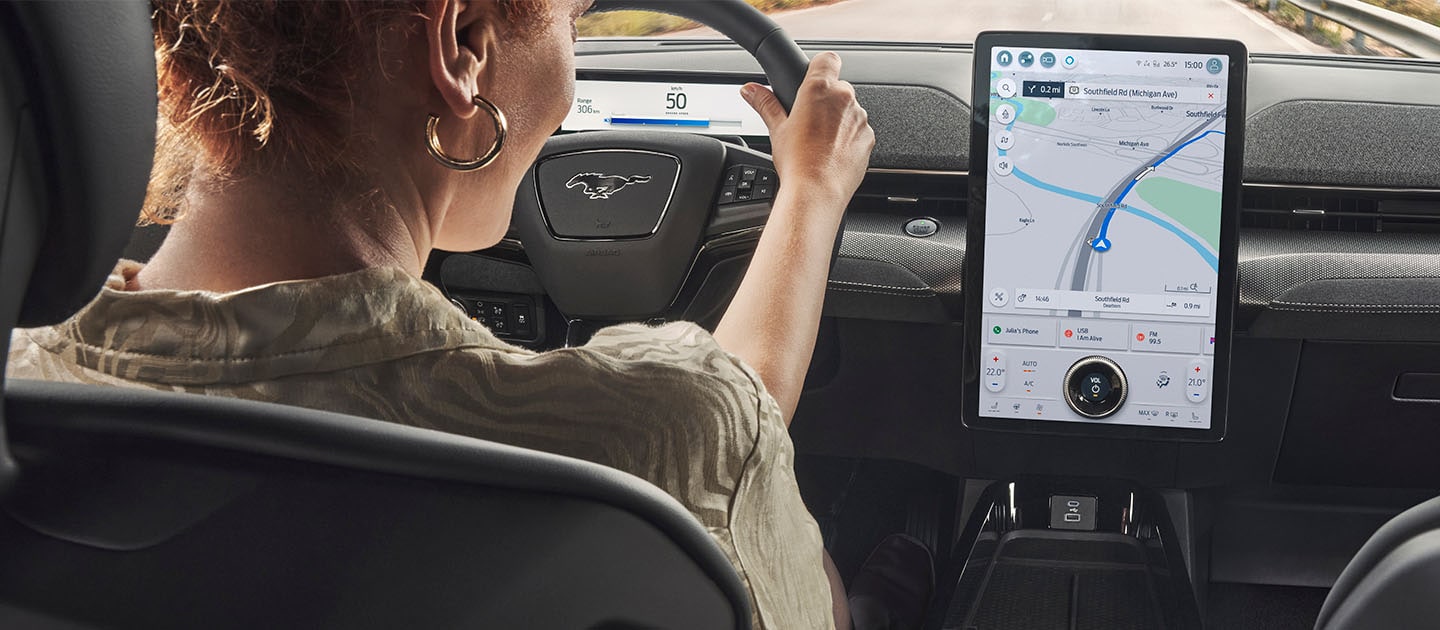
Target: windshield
<point>1393,28</point>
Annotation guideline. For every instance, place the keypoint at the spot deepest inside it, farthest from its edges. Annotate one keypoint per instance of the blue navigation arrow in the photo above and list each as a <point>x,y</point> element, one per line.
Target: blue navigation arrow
<point>1100,244</point>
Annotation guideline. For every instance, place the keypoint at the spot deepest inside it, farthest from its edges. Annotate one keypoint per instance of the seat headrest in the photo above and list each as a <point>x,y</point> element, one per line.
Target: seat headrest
<point>77,136</point>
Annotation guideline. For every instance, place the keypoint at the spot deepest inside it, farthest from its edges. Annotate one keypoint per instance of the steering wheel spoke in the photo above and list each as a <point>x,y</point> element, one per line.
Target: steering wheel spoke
<point>614,222</point>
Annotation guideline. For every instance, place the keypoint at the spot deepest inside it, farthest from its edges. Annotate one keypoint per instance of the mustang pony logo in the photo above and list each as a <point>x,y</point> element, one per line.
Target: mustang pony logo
<point>599,186</point>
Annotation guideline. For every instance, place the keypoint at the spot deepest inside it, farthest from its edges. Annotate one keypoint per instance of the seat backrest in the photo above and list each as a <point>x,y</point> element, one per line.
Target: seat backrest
<point>77,133</point>
<point>141,509</point>
<point>129,508</point>
<point>1393,581</point>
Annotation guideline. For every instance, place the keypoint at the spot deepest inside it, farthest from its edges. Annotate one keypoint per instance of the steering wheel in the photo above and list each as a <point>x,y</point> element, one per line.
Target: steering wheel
<point>613,221</point>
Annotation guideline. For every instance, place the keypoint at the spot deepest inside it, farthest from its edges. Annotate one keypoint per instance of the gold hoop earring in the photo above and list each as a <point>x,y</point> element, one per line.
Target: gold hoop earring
<point>433,139</point>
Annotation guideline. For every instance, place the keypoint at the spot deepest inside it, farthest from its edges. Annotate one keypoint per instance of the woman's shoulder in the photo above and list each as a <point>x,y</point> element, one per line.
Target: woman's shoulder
<point>681,347</point>
<point>631,387</point>
<point>684,342</point>
<point>676,366</point>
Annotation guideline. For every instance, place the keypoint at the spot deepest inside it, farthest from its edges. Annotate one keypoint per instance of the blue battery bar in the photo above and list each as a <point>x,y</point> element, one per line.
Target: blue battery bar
<point>667,122</point>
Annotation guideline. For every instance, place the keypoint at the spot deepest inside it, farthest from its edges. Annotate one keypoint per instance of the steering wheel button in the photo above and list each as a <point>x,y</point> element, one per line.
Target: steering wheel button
<point>743,195</point>
<point>765,177</point>
<point>745,184</point>
<point>764,191</point>
<point>749,173</point>
<point>727,195</point>
<point>732,177</point>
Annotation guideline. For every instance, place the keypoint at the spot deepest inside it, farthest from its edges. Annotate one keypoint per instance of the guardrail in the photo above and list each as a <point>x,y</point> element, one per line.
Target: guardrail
<point>1406,34</point>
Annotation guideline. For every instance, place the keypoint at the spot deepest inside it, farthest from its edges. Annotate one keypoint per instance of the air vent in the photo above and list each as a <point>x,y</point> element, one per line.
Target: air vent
<point>1324,209</point>
<point>911,193</point>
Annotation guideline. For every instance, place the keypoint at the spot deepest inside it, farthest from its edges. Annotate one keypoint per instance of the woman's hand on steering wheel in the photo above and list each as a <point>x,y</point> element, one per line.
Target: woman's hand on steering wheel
<point>823,146</point>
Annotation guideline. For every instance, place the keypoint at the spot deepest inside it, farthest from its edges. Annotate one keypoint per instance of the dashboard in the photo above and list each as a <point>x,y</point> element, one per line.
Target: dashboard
<point>1338,271</point>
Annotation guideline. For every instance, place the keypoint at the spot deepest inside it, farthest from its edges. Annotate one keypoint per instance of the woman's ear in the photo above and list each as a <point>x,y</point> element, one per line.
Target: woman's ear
<point>462,41</point>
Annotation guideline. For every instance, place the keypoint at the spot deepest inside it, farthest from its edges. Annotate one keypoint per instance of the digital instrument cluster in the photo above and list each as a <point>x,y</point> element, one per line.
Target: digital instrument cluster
<point>706,108</point>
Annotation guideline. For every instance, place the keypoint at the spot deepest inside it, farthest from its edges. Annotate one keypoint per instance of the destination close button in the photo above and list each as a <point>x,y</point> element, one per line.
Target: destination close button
<point>1021,331</point>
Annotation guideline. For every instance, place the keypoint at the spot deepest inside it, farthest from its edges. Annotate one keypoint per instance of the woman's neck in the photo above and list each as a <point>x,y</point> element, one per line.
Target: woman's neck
<point>260,230</point>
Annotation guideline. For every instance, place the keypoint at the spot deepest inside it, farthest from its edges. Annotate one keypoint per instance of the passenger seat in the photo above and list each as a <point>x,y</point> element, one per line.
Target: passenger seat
<point>1394,581</point>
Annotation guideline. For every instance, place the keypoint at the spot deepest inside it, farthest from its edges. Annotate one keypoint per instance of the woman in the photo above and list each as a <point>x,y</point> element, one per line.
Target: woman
<point>293,154</point>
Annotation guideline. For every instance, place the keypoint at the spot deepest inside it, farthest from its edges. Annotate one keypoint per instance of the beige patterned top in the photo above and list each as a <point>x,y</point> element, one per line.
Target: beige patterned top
<point>666,404</point>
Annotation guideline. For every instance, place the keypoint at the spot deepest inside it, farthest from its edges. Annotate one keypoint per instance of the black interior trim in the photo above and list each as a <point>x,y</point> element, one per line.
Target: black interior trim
<point>40,413</point>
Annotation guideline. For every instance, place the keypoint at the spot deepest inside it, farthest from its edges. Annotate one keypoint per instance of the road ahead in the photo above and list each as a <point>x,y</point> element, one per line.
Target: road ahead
<point>960,20</point>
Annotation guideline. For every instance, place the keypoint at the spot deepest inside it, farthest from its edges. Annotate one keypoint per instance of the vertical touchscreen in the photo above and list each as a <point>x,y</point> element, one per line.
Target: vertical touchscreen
<point>1103,202</point>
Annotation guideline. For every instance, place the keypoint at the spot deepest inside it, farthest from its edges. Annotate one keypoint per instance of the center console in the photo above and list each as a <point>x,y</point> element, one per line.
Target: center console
<point>1075,554</point>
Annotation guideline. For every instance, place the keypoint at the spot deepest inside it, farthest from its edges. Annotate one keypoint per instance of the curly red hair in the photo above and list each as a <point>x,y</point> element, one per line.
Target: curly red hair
<point>246,85</point>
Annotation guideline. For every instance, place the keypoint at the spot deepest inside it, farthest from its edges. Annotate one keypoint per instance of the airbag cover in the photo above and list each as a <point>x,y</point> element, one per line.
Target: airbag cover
<point>604,195</point>
<point>623,278</point>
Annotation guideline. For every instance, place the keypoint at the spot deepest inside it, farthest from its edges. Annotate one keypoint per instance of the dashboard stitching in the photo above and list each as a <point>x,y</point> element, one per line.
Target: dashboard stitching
<point>924,290</point>
<point>938,263</point>
<point>1343,305</point>
<point>890,293</point>
<point>1358,312</point>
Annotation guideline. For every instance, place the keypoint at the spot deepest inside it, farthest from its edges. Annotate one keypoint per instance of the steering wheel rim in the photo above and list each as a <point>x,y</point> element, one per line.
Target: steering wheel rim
<point>779,56</point>
<point>614,222</point>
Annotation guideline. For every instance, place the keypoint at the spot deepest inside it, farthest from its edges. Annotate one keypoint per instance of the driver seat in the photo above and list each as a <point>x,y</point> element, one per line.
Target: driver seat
<point>139,509</point>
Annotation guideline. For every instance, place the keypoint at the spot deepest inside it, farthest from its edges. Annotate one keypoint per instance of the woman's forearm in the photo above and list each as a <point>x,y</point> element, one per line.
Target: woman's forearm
<point>821,149</point>
<point>772,322</point>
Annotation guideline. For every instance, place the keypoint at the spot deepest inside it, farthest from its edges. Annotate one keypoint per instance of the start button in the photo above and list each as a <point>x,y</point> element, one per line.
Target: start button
<point>922,227</point>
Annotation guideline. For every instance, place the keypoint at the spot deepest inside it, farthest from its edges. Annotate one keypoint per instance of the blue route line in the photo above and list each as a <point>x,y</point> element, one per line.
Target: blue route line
<point>1105,226</point>
<point>1073,194</point>
<point>1200,248</point>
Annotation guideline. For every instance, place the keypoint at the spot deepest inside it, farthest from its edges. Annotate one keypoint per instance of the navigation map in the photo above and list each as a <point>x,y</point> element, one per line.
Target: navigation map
<point>1102,223</point>
<point>1129,172</point>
